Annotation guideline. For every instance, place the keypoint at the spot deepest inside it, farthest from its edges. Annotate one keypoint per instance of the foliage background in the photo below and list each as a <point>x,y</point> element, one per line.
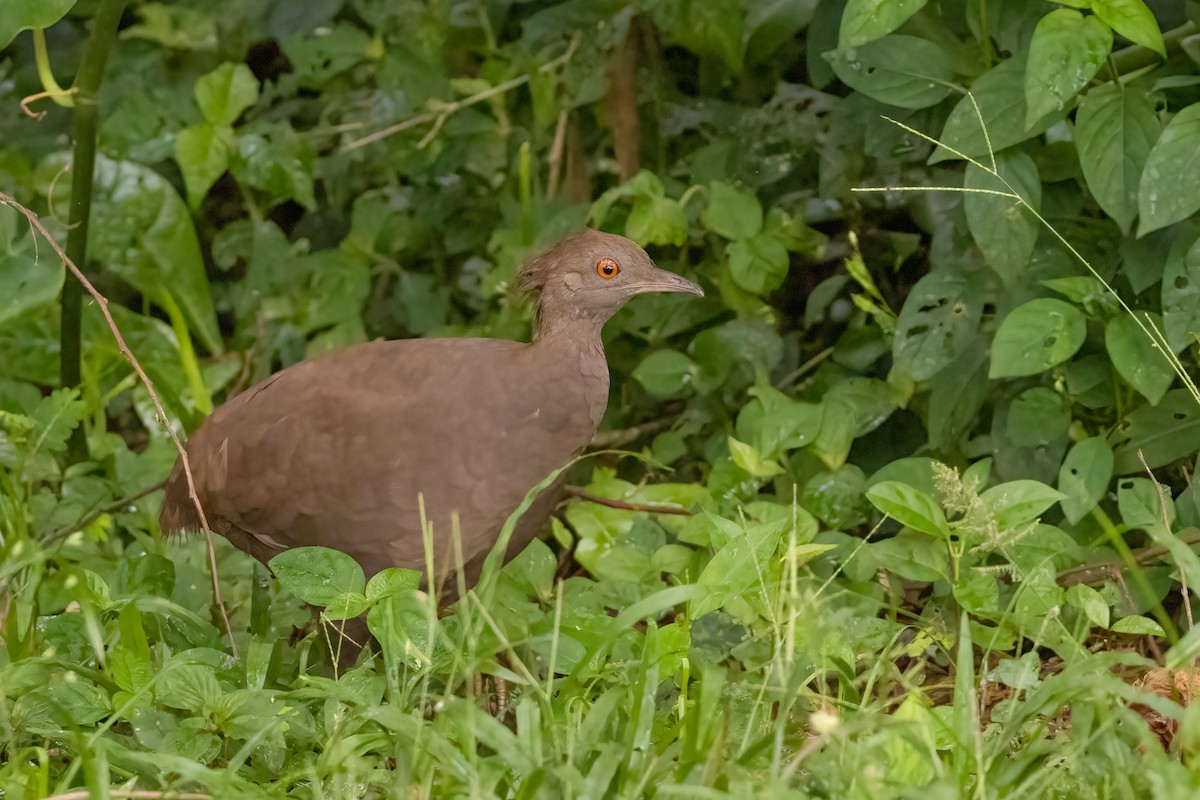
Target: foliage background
<point>1018,622</point>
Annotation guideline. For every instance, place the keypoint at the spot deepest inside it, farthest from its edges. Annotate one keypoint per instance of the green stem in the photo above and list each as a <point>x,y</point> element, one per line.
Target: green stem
<point>1136,57</point>
<point>55,92</point>
<point>187,356</point>
<point>1134,568</point>
<point>83,131</point>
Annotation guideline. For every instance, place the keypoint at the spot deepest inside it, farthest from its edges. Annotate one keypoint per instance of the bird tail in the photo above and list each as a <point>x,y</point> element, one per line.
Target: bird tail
<point>178,513</point>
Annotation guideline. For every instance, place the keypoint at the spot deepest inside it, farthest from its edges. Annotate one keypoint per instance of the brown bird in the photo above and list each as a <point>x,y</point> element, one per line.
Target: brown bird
<point>334,451</point>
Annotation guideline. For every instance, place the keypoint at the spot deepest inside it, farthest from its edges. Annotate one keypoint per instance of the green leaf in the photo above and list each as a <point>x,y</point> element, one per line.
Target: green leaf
<point>837,497</point>
<point>1005,230</point>
<point>1065,53</point>
<point>909,506</point>
<point>1019,673</point>
<point>226,92</point>
<point>1037,417</point>
<point>774,423</point>
<point>1164,433</point>
<point>1084,476</point>
<point>141,231</point>
<point>749,459</point>
<point>1036,336</point>
<point>1181,297</point>
<point>1168,191</point>
<point>190,687</point>
<point>733,212</point>
<point>707,27</point>
<point>203,155</point>
<point>936,324</point>
<point>759,264</point>
<point>346,605</point>
<point>1136,357</point>
<point>1115,128</point>
<point>317,575</point>
<point>738,565</point>
<point>392,580</point>
<point>1000,94</point>
<point>27,280</point>
<point>867,20</point>
<point>1090,602</point>
<point>21,15</point>
<point>664,373</point>
<point>898,70</point>
<point>1133,20</point>
<point>657,220</point>
<point>1019,502</point>
<point>1138,626</point>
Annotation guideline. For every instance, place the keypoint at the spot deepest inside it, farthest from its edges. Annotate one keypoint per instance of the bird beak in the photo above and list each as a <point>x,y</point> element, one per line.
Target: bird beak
<point>659,280</point>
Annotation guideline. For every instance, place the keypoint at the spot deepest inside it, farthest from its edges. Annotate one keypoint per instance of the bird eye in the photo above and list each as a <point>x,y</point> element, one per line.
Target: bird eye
<point>607,268</point>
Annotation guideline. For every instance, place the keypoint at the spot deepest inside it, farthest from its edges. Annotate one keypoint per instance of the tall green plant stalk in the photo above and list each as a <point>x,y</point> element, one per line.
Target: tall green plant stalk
<point>83,131</point>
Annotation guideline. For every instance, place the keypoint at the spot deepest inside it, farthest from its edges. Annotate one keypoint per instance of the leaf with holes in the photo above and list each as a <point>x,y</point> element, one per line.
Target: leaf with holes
<point>1084,476</point>
<point>1005,230</point>
<point>1065,53</point>
<point>1115,128</point>
<point>936,324</point>
<point>1181,297</point>
<point>898,70</point>
<point>1036,336</point>
<point>1143,365</point>
<point>1164,433</point>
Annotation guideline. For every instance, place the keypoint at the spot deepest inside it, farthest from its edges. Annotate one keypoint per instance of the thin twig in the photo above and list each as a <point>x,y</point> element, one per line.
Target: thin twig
<point>556,154</point>
<point>607,440</point>
<point>102,301</point>
<point>653,508</point>
<point>1162,501</point>
<point>97,512</point>
<point>439,117</point>
<point>1105,569</point>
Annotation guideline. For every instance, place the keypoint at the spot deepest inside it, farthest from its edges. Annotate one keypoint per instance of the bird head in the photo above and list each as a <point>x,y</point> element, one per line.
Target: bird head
<point>588,276</point>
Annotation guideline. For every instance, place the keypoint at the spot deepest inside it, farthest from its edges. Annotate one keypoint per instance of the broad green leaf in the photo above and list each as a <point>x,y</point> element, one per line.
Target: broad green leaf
<point>1019,673</point>
<point>190,687</point>
<point>1019,502</point>
<point>898,70</point>
<point>867,20</point>
<point>1066,52</point>
<point>316,575</point>
<point>1036,336</point>
<point>1000,94</point>
<point>1142,506</point>
<point>656,220</point>
<point>1163,433</point>
<point>733,212</point>
<point>1115,128</point>
<point>758,264</point>
<point>977,592</point>
<point>1084,477</point>
<point>749,459</point>
<point>1133,20</point>
<point>837,497</point>
<point>1168,191</point>
<point>1090,602</point>
<point>141,231</point>
<point>738,565</point>
<point>774,423</point>
<point>346,605</point>
<point>203,155</point>
<point>225,93</point>
<point>21,15</point>
<point>1037,417</point>
<point>1136,357</point>
<point>936,324</point>
<point>713,28</point>
<point>29,277</point>
<point>1005,230</point>
<point>910,507</point>
<point>1181,297</point>
<point>392,580</point>
<point>664,373</point>
<point>1138,626</point>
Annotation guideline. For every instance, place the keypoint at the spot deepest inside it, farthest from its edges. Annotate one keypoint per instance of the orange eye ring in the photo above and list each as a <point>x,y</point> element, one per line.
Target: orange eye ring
<point>607,268</point>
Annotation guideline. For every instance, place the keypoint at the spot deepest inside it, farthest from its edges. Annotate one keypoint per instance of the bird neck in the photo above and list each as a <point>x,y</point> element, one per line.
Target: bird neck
<point>580,332</point>
<point>574,348</point>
